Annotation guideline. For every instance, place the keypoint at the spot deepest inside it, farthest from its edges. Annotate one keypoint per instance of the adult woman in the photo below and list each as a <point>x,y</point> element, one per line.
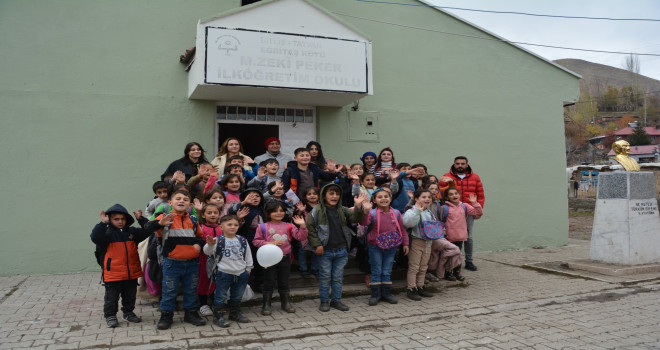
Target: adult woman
<point>229,148</point>
<point>385,162</point>
<point>316,153</point>
<point>193,154</point>
<point>369,161</point>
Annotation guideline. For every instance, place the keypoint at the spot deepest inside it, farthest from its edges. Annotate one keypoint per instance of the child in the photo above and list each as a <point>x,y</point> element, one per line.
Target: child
<point>232,270</point>
<point>198,182</point>
<point>277,232</point>
<point>232,184</point>
<point>301,174</point>
<point>385,233</point>
<point>116,251</point>
<point>165,208</point>
<point>210,214</point>
<point>266,174</point>
<point>454,213</point>
<point>407,183</point>
<point>181,244</point>
<point>276,193</point>
<point>250,212</point>
<point>420,247</point>
<point>160,191</point>
<point>330,236</point>
<point>311,199</point>
<point>247,173</point>
<point>367,185</point>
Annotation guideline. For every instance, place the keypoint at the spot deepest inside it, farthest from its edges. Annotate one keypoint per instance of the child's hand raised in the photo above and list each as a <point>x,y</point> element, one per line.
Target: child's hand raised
<point>261,172</point>
<point>138,214</point>
<point>367,205</point>
<point>198,205</point>
<point>210,240</point>
<point>394,174</point>
<point>360,199</point>
<point>179,177</point>
<point>104,217</point>
<point>445,179</point>
<point>167,219</point>
<point>243,212</point>
<point>473,198</point>
<point>300,206</point>
<point>299,220</point>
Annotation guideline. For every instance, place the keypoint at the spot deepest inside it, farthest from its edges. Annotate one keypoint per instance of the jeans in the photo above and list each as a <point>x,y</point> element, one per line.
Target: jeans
<point>381,261</point>
<point>278,273</point>
<point>302,261</point>
<point>225,281</point>
<point>127,289</point>
<point>185,272</point>
<point>331,273</point>
<point>468,243</point>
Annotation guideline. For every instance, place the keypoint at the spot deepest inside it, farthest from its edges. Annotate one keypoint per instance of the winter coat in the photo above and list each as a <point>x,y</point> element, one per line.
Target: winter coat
<point>317,220</point>
<point>456,224</point>
<point>471,183</point>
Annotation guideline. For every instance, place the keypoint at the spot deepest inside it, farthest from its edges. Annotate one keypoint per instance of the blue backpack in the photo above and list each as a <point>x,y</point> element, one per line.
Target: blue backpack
<point>444,211</point>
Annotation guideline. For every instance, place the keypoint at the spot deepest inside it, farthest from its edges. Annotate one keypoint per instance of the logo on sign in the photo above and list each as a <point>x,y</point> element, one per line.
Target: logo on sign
<point>227,43</point>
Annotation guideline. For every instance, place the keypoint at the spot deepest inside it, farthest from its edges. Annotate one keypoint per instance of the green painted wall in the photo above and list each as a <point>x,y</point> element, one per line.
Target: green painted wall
<point>441,96</point>
<point>94,107</point>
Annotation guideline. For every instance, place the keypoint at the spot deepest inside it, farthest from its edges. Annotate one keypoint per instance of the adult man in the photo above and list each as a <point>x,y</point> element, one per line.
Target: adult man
<point>467,182</point>
<point>273,146</point>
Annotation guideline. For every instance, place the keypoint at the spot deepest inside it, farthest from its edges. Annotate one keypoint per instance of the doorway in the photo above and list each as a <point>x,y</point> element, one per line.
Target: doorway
<point>252,136</point>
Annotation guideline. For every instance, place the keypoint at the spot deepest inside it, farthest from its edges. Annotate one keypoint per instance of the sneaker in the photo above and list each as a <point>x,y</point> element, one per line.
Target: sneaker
<point>111,321</point>
<point>132,317</point>
<point>339,305</point>
<point>470,266</point>
<point>192,317</point>
<point>424,293</point>
<point>413,295</point>
<point>431,277</point>
<point>205,310</point>
<point>324,307</point>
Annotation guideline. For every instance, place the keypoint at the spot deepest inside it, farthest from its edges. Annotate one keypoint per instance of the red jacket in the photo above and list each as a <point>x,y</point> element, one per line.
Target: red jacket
<point>471,183</point>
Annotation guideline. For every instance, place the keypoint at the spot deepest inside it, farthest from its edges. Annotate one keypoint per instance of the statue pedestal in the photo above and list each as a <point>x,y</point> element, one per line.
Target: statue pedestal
<point>626,228</point>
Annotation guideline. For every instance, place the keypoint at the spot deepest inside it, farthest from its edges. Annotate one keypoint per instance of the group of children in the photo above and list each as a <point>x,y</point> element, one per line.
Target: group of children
<point>205,234</point>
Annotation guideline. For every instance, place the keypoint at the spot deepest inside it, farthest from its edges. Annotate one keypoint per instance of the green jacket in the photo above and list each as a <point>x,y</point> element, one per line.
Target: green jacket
<point>317,220</point>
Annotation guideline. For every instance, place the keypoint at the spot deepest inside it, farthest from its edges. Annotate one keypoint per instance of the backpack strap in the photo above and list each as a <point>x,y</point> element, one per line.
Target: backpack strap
<point>263,229</point>
<point>444,212</point>
<point>464,209</point>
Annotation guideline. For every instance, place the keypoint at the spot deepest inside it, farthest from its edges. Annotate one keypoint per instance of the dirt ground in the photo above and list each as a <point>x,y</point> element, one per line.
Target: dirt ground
<point>579,225</point>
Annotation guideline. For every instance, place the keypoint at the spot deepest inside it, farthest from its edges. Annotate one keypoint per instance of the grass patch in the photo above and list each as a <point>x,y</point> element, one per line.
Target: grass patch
<point>580,213</point>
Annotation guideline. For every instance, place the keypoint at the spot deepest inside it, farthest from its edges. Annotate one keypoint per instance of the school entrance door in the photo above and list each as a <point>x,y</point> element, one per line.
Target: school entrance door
<point>295,126</point>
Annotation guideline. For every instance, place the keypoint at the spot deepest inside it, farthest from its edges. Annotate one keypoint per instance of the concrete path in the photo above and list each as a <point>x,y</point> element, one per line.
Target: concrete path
<point>504,305</point>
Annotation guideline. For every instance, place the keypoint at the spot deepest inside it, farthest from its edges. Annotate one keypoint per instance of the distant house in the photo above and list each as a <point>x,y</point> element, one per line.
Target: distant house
<point>642,154</point>
<point>624,134</point>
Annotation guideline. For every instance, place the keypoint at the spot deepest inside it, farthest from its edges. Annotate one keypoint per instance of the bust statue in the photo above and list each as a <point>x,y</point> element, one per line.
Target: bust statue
<point>622,150</point>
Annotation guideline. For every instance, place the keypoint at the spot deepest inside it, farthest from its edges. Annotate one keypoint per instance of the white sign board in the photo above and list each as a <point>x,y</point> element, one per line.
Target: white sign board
<point>264,59</point>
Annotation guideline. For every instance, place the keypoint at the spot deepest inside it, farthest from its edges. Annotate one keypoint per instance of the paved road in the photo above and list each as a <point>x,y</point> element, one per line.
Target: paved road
<point>503,306</point>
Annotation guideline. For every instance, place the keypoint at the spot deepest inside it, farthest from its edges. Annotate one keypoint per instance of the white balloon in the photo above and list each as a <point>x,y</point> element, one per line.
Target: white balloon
<point>269,255</point>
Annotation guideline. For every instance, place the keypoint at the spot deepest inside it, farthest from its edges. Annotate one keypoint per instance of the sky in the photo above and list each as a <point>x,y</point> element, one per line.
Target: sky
<point>625,36</point>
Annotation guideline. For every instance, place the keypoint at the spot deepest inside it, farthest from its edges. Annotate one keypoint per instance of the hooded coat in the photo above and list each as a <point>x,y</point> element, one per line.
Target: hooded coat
<point>317,220</point>
<point>118,247</point>
<point>471,183</point>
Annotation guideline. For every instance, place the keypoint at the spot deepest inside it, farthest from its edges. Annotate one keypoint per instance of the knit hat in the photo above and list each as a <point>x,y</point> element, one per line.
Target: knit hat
<point>271,139</point>
<point>246,191</point>
<point>368,154</point>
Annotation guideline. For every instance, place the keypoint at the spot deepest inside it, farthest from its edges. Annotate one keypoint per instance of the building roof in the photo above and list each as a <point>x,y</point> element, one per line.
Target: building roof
<point>639,150</point>
<point>627,131</point>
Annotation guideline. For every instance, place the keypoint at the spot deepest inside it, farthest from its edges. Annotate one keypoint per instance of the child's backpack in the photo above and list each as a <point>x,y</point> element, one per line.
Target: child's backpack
<point>387,240</point>
<point>213,260</point>
<point>444,211</point>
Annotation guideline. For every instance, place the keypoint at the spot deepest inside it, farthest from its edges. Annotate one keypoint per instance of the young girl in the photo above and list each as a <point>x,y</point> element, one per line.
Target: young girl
<point>420,247</point>
<point>367,185</point>
<point>311,199</point>
<point>385,232</point>
<point>210,214</point>
<point>454,213</point>
<point>231,184</point>
<point>279,233</point>
<point>232,271</point>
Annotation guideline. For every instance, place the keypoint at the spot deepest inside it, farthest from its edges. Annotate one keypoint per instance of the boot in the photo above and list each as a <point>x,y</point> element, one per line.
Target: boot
<point>219,316</point>
<point>449,276</point>
<point>375,294</point>
<point>413,295</point>
<point>166,319</point>
<point>285,301</point>
<point>235,313</point>
<point>192,317</point>
<point>265,306</point>
<point>423,292</point>
<point>457,273</point>
<point>386,294</point>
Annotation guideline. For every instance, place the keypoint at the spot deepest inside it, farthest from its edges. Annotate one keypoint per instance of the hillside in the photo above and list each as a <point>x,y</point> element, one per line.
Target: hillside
<point>597,77</point>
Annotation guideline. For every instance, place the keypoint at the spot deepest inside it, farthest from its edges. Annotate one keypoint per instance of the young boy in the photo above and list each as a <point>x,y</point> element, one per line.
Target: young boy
<point>198,182</point>
<point>116,251</point>
<point>251,211</point>
<point>301,174</point>
<point>181,242</point>
<point>233,270</point>
<point>160,192</point>
<point>407,185</point>
<point>246,172</point>
<point>330,236</point>
<point>266,174</point>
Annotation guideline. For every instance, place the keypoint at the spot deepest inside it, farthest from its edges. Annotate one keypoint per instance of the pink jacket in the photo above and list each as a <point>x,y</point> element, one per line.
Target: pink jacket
<point>284,231</point>
<point>456,225</point>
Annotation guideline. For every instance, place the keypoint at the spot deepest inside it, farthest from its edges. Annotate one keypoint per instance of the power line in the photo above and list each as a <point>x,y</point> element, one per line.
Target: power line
<point>621,97</point>
<point>493,39</point>
<point>515,13</point>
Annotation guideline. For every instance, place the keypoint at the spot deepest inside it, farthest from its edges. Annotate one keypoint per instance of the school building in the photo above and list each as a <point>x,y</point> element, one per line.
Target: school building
<point>96,104</point>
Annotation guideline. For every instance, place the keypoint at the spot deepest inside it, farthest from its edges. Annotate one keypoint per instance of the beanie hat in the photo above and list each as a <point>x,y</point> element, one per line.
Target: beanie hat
<point>368,154</point>
<point>271,139</point>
